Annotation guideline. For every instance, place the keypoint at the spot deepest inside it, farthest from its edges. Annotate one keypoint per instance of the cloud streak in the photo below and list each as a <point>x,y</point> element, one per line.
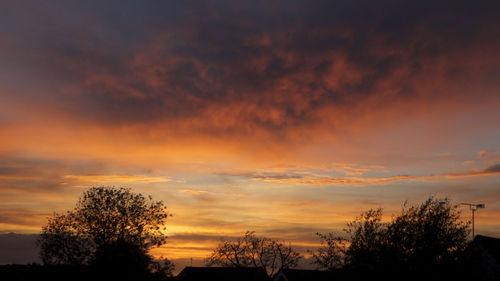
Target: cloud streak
<point>319,179</point>
<point>106,179</point>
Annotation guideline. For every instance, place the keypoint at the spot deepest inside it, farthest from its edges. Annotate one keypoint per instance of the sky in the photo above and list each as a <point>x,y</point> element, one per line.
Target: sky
<point>283,117</point>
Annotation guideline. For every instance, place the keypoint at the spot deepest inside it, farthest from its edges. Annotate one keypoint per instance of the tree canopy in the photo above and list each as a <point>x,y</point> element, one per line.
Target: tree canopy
<point>106,223</point>
<point>424,239</point>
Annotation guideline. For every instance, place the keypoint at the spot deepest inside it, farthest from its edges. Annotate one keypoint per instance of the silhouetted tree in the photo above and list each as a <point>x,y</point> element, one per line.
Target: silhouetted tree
<point>423,239</point>
<point>231,253</point>
<point>162,268</point>
<point>253,251</point>
<point>331,254</point>
<point>61,243</point>
<point>428,238</point>
<point>109,226</point>
<point>368,241</point>
<point>121,260</point>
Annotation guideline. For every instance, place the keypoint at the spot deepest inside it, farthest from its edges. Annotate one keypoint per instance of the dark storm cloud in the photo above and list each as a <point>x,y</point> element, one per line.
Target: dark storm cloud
<point>267,65</point>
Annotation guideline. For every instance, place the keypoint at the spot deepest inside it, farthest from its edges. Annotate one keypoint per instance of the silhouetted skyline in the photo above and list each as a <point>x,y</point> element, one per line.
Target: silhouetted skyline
<point>284,117</point>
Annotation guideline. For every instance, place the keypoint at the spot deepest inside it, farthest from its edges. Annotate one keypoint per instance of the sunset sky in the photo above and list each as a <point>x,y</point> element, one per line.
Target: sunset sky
<point>283,117</point>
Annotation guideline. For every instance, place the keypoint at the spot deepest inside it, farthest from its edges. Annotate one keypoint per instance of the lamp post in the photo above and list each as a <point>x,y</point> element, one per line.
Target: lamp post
<point>473,208</point>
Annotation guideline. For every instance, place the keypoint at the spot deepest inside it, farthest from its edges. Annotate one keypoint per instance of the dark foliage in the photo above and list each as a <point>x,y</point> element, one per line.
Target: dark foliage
<point>424,241</point>
<point>427,239</point>
<point>121,260</point>
<point>110,231</point>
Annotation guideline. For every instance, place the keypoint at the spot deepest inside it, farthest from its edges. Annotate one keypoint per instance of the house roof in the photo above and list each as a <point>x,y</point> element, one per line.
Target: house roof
<point>483,258</point>
<point>302,275</point>
<point>489,244</point>
<point>222,274</point>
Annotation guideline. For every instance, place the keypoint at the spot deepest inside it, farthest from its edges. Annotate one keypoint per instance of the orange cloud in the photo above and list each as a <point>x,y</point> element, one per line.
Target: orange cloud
<point>308,178</point>
<point>105,179</point>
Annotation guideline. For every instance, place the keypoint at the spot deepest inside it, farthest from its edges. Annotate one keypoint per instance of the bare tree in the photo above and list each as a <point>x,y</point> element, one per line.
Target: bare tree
<point>253,251</point>
<point>230,254</point>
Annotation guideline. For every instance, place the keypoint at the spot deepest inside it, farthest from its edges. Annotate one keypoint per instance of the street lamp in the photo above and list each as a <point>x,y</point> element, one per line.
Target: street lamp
<point>473,208</point>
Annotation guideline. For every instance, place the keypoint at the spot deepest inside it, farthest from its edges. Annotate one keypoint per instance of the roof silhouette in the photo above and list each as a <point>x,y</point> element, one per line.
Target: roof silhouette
<point>302,275</point>
<point>485,253</point>
<point>490,244</point>
<point>223,274</point>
